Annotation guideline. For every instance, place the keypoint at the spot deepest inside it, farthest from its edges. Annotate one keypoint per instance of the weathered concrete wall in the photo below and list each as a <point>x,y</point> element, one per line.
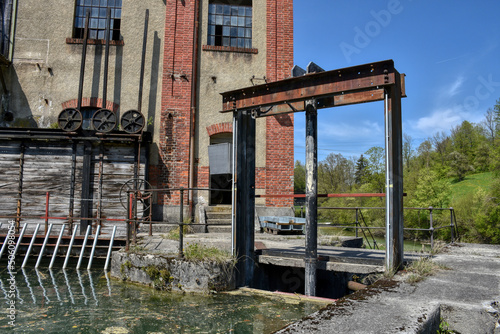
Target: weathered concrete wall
<point>168,273</point>
<point>45,70</point>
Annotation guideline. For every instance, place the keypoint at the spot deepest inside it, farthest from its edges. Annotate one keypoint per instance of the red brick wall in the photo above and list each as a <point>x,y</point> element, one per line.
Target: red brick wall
<point>176,99</point>
<point>91,102</point>
<point>219,128</point>
<point>279,129</point>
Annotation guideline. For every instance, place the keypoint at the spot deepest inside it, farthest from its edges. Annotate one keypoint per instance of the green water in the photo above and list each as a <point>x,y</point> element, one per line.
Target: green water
<point>73,301</point>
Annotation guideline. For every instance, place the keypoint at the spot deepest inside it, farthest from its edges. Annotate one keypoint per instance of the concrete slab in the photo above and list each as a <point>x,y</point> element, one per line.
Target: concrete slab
<point>466,296</point>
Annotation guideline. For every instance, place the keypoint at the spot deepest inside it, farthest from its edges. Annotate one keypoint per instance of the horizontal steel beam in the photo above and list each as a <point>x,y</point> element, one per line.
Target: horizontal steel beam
<point>358,84</point>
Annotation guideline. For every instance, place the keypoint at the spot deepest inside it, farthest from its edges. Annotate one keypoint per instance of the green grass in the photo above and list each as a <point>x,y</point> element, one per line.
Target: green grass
<point>470,185</point>
<point>199,253</point>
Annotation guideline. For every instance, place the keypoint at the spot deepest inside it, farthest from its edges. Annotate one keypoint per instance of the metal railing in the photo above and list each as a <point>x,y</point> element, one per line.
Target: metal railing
<point>359,218</point>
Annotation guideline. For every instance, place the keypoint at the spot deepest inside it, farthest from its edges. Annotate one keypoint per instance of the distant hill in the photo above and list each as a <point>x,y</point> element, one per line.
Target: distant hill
<point>470,185</point>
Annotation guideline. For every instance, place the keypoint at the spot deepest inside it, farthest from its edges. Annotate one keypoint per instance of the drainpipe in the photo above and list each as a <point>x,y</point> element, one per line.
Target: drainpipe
<point>12,29</point>
<point>193,106</point>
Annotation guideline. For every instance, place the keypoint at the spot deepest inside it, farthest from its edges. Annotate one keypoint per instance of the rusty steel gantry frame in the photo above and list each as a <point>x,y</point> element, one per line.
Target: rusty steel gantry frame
<point>378,81</point>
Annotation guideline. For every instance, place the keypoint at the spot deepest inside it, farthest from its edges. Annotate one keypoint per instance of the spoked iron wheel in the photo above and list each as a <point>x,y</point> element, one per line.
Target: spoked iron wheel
<point>70,119</point>
<point>132,121</point>
<point>143,196</point>
<point>104,120</point>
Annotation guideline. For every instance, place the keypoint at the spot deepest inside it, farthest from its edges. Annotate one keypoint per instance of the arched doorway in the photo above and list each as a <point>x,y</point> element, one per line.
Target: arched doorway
<point>220,162</point>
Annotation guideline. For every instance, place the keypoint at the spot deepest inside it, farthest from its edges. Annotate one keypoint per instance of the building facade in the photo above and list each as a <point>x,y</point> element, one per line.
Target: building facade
<point>195,50</point>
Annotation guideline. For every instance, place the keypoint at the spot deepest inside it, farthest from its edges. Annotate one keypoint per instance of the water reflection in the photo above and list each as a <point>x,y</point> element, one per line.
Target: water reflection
<point>73,301</point>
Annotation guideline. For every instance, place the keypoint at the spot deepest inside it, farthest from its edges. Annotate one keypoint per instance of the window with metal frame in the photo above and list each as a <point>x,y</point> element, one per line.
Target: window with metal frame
<point>230,24</point>
<point>97,22</point>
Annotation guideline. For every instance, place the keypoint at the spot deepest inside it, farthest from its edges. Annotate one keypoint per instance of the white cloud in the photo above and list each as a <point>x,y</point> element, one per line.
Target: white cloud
<point>439,120</point>
<point>454,88</point>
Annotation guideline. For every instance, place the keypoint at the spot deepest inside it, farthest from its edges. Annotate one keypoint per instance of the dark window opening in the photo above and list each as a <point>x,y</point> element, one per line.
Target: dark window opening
<point>97,22</point>
<point>230,24</point>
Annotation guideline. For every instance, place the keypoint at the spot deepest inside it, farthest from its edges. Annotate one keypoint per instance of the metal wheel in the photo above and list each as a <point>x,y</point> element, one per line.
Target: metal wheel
<point>132,121</point>
<point>104,120</point>
<point>144,197</point>
<point>70,119</point>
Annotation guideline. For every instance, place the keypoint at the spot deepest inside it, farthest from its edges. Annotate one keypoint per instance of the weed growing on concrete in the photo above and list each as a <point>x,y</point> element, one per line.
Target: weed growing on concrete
<point>174,233</point>
<point>161,277</point>
<point>422,268</point>
<point>444,328</point>
<point>198,253</point>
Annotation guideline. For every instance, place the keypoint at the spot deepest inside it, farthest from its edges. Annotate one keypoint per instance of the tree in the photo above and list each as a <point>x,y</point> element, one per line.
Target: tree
<point>490,125</point>
<point>362,172</point>
<point>459,165</point>
<point>408,151</point>
<point>299,178</point>
<point>424,152</point>
<point>335,174</point>
<point>376,167</point>
<point>488,218</point>
<point>431,190</point>
<point>441,143</point>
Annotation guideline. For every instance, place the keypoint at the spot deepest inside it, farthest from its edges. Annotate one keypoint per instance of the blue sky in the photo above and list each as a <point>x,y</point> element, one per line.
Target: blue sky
<point>448,49</point>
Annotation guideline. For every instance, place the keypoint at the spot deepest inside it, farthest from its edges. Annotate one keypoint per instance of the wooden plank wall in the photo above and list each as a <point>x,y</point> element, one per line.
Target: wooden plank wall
<point>47,168</point>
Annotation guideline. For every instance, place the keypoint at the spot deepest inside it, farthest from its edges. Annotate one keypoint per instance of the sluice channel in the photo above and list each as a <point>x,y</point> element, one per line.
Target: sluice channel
<point>89,301</point>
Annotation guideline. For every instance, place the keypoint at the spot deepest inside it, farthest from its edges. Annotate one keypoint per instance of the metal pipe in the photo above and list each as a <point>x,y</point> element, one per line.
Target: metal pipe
<point>451,226</point>
<point>110,248</point>
<point>47,199</point>
<point>19,239</point>
<point>57,246</point>
<point>388,241</point>
<point>12,29</point>
<point>181,226</point>
<point>4,245</point>
<point>106,59</point>
<point>233,191</point>
<point>311,253</point>
<point>93,246</point>
<point>84,244</point>
<point>72,187</point>
<point>30,246</point>
<point>68,252</point>
<point>192,116</point>
<point>431,227</point>
<point>45,241</point>
<point>84,55</point>
<point>357,223</point>
<point>129,218</point>
<point>20,186</point>
<point>143,61</point>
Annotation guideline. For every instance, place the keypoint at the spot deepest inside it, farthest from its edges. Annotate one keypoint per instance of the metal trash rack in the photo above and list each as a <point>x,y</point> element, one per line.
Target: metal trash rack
<point>282,224</point>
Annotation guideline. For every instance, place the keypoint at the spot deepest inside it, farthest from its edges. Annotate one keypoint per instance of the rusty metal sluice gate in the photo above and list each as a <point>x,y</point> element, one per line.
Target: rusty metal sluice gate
<point>310,91</point>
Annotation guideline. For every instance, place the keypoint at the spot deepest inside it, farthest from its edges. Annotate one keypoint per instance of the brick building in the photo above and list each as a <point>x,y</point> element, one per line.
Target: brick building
<point>195,51</point>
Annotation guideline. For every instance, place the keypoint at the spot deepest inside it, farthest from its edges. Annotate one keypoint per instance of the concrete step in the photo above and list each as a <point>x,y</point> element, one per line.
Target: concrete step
<point>219,208</point>
<point>219,229</point>
<point>218,215</point>
<point>219,221</point>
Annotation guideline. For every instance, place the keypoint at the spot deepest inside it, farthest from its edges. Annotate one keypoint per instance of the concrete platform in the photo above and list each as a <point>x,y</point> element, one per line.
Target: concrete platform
<point>467,297</point>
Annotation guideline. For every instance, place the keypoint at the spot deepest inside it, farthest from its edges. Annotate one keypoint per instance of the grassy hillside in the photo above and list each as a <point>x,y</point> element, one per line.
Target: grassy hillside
<point>470,185</point>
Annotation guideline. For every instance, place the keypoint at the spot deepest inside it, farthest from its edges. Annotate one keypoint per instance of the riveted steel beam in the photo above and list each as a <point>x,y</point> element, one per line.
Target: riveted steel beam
<point>358,84</point>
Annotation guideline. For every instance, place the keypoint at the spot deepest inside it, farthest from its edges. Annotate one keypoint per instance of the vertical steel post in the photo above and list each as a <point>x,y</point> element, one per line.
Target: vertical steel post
<point>143,61</point>
<point>86,199</point>
<point>72,188</point>
<point>181,225</point>
<point>47,199</point>
<point>129,218</point>
<point>394,179</point>
<point>357,222</point>
<point>431,227</point>
<point>245,199</point>
<point>20,187</point>
<point>106,59</point>
<point>84,56</point>
<point>311,197</point>
<point>452,234</point>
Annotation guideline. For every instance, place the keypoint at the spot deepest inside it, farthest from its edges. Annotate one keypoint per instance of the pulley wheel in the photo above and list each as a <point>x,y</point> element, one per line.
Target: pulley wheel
<point>70,119</point>
<point>141,186</point>
<point>104,120</point>
<point>132,121</point>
